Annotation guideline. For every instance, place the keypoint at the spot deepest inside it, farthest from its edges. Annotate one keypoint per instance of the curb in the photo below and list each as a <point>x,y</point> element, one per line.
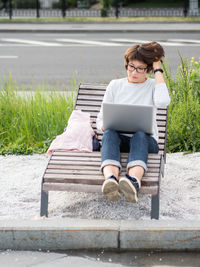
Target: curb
<point>71,234</point>
<point>98,31</point>
<point>101,27</point>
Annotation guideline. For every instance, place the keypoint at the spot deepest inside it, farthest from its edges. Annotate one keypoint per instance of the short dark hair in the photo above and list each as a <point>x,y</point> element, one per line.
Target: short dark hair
<point>147,53</point>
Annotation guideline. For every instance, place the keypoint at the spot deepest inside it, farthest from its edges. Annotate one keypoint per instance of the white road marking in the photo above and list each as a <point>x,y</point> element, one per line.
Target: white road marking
<point>32,42</point>
<point>184,40</point>
<point>77,42</point>
<point>15,45</point>
<point>167,43</point>
<point>8,57</point>
<point>89,42</point>
<point>129,40</point>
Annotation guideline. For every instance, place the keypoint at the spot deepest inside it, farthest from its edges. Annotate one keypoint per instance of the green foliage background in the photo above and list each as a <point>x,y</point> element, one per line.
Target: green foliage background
<point>184,109</point>
<point>31,120</point>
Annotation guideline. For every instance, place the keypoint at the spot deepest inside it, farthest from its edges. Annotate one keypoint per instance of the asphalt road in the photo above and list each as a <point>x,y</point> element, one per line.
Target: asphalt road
<point>58,59</point>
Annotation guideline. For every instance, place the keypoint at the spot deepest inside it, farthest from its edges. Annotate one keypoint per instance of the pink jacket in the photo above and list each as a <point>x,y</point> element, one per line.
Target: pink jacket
<point>78,135</point>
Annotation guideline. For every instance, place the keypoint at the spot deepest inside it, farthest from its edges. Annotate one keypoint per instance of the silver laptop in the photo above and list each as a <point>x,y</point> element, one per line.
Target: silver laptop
<point>128,118</point>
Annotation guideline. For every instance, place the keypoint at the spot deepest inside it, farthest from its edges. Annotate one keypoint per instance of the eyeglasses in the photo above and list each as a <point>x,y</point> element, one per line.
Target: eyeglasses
<point>138,69</point>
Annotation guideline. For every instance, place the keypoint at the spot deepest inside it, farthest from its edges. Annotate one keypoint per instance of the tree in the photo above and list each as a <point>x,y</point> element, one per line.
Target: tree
<point>105,7</point>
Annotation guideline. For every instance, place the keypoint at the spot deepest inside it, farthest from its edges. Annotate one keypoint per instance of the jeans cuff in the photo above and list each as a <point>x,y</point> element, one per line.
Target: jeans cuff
<point>110,162</point>
<point>137,163</point>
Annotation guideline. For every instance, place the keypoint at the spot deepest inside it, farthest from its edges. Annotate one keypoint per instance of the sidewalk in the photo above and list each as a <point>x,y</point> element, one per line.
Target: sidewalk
<point>66,234</point>
<point>100,27</point>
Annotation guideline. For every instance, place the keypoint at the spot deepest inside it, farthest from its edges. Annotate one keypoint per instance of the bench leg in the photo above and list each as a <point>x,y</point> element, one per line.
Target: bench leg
<point>155,206</point>
<point>44,203</point>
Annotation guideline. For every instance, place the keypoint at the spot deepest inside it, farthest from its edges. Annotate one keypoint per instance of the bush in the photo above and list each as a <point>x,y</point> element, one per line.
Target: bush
<point>25,4</point>
<point>68,4</point>
<point>105,7</point>
<point>184,110</point>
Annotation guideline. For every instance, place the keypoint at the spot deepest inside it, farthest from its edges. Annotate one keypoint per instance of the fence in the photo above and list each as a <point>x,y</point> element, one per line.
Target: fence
<point>76,12</point>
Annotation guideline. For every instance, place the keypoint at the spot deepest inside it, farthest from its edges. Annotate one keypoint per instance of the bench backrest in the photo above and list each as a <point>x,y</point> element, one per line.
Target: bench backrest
<point>89,99</point>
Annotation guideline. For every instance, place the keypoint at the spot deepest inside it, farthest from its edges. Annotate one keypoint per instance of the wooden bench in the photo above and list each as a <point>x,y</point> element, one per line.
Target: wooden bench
<point>79,171</point>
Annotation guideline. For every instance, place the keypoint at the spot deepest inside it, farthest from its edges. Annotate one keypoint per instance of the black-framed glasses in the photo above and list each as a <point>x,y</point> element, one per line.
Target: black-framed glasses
<point>138,69</point>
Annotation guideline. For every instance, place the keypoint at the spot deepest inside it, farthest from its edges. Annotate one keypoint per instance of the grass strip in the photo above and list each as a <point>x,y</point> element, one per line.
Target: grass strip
<point>30,121</point>
<point>100,19</point>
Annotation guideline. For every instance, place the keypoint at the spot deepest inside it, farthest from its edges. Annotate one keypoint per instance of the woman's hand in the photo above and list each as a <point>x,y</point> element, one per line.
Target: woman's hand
<point>157,64</point>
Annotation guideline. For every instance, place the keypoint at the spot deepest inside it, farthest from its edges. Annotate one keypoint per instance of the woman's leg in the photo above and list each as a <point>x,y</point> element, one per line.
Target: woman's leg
<point>140,145</point>
<point>110,153</point>
<point>110,170</point>
<point>110,164</point>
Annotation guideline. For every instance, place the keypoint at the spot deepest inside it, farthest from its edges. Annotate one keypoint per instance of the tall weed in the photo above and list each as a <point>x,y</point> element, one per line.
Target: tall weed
<point>30,121</point>
<point>184,109</point>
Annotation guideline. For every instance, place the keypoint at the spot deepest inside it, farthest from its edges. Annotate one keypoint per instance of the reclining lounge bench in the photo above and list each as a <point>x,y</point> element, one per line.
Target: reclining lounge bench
<point>79,171</point>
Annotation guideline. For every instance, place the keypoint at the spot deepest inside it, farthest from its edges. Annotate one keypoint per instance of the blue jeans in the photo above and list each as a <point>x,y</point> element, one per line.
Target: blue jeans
<point>138,146</point>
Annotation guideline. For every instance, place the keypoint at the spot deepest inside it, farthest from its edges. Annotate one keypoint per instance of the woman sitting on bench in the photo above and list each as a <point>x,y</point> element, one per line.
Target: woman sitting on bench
<point>138,89</point>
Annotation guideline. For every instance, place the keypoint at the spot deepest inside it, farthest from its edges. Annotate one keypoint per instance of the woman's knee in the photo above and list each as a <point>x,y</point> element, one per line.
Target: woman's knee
<point>140,135</point>
<point>110,134</point>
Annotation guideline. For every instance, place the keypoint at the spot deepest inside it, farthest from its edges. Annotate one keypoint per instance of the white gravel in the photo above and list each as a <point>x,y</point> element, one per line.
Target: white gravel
<point>20,185</point>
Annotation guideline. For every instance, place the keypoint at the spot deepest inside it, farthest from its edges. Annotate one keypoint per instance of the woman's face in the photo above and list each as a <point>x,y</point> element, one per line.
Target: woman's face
<point>136,71</point>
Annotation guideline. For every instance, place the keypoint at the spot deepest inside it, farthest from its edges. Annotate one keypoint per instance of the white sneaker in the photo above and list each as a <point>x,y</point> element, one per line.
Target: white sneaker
<point>110,188</point>
<point>129,187</point>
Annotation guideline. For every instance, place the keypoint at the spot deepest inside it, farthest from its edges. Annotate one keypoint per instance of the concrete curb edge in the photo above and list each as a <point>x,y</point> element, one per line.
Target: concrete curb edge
<point>69,234</point>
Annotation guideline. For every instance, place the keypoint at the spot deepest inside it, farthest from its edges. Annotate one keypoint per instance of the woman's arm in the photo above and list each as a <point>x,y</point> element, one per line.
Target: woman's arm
<point>161,93</point>
<point>108,98</point>
<point>159,78</point>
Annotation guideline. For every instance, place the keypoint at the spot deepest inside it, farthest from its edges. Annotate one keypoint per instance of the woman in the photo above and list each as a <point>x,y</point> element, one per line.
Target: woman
<point>136,88</point>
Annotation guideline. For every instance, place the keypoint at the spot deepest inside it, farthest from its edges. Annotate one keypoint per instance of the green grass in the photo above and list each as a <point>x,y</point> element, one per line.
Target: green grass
<point>29,122</point>
<point>100,19</point>
<point>184,110</point>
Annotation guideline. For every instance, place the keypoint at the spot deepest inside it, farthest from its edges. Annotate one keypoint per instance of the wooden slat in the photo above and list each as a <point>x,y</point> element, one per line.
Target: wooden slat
<point>94,113</point>
<point>86,174</point>
<point>69,167</point>
<point>90,97</point>
<point>74,164</point>
<point>145,182</point>
<point>160,134</point>
<point>83,174</point>
<point>94,163</point>
<point>91,102</point>
<point>77,153</point>
<point>72,187</point>
<point>64,166</point>
<point>160,128</point>
<point>88,103</point>
<point>89,174</point>
<point>93,86</point>
<point>97,154</point>
<point>95,110</point>
<point>91,92</point>
<point>88,108</point>
<point>153,190</point>
<point>81,171</point>
<point>87,159</point>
